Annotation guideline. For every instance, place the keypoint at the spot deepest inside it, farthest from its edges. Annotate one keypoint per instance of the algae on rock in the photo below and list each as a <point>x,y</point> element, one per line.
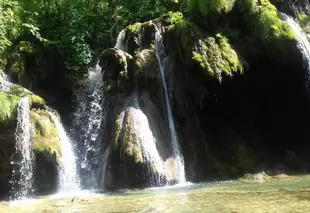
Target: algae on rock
<point>45,136</point>
<point>8,107</point>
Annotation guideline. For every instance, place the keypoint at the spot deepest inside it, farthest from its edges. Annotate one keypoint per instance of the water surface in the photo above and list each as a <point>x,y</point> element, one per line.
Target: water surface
<point>286,195</point>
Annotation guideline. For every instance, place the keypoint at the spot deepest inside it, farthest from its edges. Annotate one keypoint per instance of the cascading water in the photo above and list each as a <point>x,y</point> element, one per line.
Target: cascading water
<point>89,118</point>
<point>5,84</point>
<point>22,175</point>
<point>68,178</point>
<point>120,44</point>
<point>303,45</point>
<point>161,57</point>
<point>145,142</point>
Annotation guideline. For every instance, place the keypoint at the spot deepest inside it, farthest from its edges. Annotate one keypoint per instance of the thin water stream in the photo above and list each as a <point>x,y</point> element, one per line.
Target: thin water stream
<point>161,57</point>
<point>22,174</point>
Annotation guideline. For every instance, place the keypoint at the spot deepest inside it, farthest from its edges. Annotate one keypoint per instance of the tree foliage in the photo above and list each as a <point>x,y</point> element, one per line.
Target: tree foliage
<point>206,7</point>
<point>82,29</point>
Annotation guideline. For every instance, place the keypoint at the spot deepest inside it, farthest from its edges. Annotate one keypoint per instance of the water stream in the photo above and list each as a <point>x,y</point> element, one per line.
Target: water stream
<point>303,45</point>
<point>68,178</point>
<point>89,118</point>
<point>22,174</point>
<point>120,43</point>
<point>161,57</point>
<point>5,84</point>
<point>141,126</point>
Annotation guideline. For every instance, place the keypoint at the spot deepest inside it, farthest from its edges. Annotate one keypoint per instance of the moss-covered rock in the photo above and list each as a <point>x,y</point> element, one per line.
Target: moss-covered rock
<point>304,21</point>
<point>8,107</point>
<point>212,54</point>
<point>19,91</point>
<point>266,22</point>
<point>117,65</point>
<point>36,101</point>
<point>45,136</point>
<point>172,17</point>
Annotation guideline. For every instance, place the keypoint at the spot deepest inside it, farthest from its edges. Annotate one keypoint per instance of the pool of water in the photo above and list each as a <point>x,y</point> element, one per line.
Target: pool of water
<point>291,194</point>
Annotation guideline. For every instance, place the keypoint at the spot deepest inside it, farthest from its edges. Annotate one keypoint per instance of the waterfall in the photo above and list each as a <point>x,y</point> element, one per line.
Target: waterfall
<point>5,84</point>
<point>68,179</point>
<point>145,142</point>
<point>303,44</point>
<point>120,44</point>
<point>88,118</point>
<point>104,166</point>
<point>22,175</point>
<point>161,57</point>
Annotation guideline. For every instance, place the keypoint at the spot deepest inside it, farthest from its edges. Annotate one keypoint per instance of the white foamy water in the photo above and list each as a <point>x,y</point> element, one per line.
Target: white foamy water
<point>161,57</point>
<point>145,140</point>
<point>89,117</point>
<point>68,178</point>
<point>22,175</point>
<point>148,141</point>
<point>120,41</point>
<point>303,45</point>
<point>5,84</point>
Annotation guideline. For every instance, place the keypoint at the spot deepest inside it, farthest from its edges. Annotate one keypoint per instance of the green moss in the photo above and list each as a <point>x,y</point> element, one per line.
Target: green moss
<point>204,7</point>
<point>265,21</point>
<point>186,31</point>
<point>19,91</point>
<point>261,17</point>
<point>45,137</point>
<point>37,100</point>
<point>135,28</point>
<point>217,58</point>
<point>172,17</point>
<point>304,21</point>
<point>214,55</point>
<point>131,143</point>
<point>22,92</point>
<point>126,139</point>
<point>8,107</point>
<point>138,64</point>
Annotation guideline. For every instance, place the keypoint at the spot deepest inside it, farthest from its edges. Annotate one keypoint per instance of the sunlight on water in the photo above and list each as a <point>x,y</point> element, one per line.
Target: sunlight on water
<point>89,119</point>
<point>22,174</point>
<point>23,202</point>
<point>288,195</point>
<point>68,180</point>
<point>71,194</point>
<point>176,186</point>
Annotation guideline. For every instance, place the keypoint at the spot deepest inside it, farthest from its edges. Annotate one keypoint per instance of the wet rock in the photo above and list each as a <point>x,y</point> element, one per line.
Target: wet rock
<point>259,177</point>
<point>292,7</point>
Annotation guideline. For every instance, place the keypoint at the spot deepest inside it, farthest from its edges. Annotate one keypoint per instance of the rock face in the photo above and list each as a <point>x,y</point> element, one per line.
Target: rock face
<point>140,149</point>
<point>238,102</point>
<point>44,138</point>
<point>292,7</point>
